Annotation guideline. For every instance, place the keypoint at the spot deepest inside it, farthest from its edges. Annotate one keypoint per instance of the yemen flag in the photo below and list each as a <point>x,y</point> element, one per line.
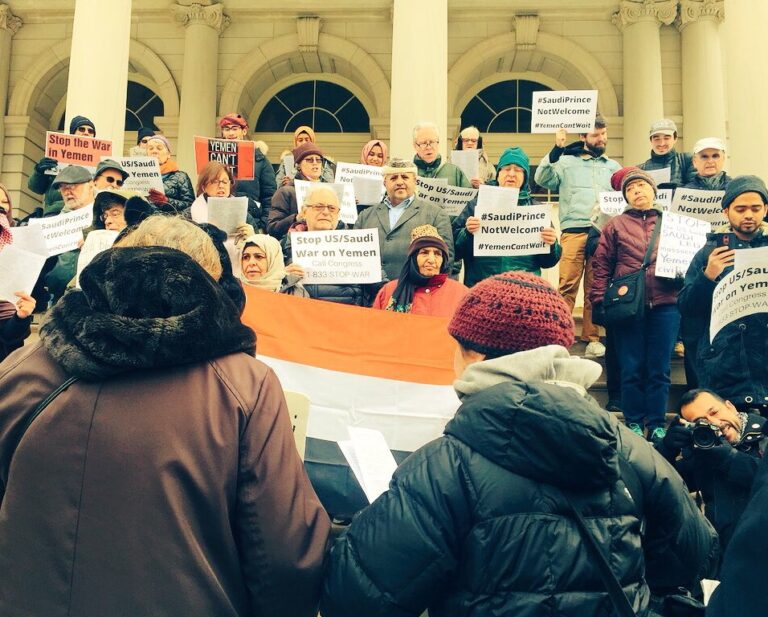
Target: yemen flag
<point>360,367</point>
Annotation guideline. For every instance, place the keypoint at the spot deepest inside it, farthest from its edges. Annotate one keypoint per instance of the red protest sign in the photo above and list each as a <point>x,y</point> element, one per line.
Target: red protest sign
<point>76,149</point>
<point>237,155</point>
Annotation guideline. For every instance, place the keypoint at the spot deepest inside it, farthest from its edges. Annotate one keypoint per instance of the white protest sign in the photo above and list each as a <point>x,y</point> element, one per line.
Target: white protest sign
<point>367,181</point>
<point>700,204</point>
<point>338,257</point>
<point>660,176</point>
<point>370,459</point>
<point>19,271</point>
<point>572,110</point>
<point>740,293</point>
<point>64,232</point>
<point>612,202</point>
<point>468,161</point>
<point>452,199</point>
<point>664,197</point>
<point>144,173</point>
<point>97,241</point>
<point>288,165</point>
<point>679,240</point>
<point>750,257</point>
<point>344,192</point>
<point>497,196</point>
<point>513,230</point>
<point>30,238</point>
<point>227,213</point>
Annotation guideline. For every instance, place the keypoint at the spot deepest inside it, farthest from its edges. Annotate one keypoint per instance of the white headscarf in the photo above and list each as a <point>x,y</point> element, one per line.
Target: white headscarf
<point>272,279</point>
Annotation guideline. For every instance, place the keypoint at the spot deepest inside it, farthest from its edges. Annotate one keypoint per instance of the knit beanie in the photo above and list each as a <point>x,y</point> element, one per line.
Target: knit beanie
<point>304,150</point>
<point>514,156</point>
<point>79,121</point>
<point>510,312</point>
<point>143,132</point>
<point>161,138</point>
<point>618,176</point>
<point>425,236</point>
<point>744,184</point>
<point>235,119</point>
<point>636,174</point>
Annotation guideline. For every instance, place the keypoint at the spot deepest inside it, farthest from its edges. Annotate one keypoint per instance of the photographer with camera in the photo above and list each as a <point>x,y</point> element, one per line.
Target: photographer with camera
<point>721,449</point>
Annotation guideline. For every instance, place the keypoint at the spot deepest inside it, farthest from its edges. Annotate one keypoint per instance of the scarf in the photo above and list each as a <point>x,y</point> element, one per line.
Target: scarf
<point>411,279</point>
<point>168,167</point>
<point>272,279</point>
<point>5,230</point>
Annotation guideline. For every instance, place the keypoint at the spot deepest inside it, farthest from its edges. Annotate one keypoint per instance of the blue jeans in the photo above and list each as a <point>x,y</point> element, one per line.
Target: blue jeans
<point>645,351</point>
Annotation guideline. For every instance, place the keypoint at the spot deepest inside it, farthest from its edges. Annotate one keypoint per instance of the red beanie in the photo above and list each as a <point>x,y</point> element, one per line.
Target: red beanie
<point>234,118</point>
<point>618,177</point>
<point>510,312</point>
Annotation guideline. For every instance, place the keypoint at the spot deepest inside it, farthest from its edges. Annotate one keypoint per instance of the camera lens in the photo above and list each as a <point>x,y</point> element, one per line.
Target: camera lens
<point>705,436</point>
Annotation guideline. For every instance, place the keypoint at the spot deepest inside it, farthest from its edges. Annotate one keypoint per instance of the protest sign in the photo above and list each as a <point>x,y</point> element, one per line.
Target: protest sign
<point>467,161</point>
<point>612,202</point>
<point>572,110</point>
<point>664,197</point>
<point>76,150</point>
<point>513,230</point>
<point>96,242</point>
<point>289,165</point>
<point>64,232</point>
<point>344,192</point>
<point>144,173</point>
<point>740,294</point>
<point>680,239</point>
<point>366,180</point>
<point>700,204</point>
<point>660,176</point>
<point>227,213</point>
<point>19,271</point>
<point>750,257</point>
<point>237,155</point>
<point>452,199</point>
<point>338,257</point>
<point>497,196</point>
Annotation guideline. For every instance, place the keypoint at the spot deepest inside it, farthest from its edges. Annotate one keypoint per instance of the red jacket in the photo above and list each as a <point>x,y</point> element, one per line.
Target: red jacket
<point>621,250</point>
<point>438,300</point>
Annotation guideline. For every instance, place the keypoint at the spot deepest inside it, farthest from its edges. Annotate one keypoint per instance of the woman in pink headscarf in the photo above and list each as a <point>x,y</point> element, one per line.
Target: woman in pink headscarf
<point>374,153</point>
<point>15,318</point>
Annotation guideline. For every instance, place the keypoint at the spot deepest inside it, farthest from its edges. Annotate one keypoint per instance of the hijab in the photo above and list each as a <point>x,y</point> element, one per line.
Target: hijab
<point>272,279</point>
<point>369,146</point>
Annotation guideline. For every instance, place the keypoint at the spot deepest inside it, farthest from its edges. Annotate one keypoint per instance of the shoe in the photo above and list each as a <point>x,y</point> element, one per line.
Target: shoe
<point>657,434</point>
<point>636,428</point>
<point>680,349</point>
<point>595,349</point>
<point>613,405</point>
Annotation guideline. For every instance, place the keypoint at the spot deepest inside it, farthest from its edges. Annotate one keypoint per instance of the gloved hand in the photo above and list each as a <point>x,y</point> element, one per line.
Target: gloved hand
<point>46,163</point>
<point>158,198</point>
<point>718,457</point>
<point>598,314</point>
<point>677,438</point>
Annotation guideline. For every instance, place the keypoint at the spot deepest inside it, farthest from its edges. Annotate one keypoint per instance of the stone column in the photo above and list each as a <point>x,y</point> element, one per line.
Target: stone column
<point>747,81</point>
<point>98,67</point>
<point>419,72</point>
<point>204,23</point>
<point>643,90</point>
<point>9,25</point>
<point>703,87</point>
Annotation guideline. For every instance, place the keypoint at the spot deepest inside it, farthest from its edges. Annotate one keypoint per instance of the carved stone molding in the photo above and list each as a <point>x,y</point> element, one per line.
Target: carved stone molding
<point>526,31</point>
<point>199,14</point>
<point>633,11</point>
<point>9,21</point>
<point>308,29</point>
<point>695,10</point>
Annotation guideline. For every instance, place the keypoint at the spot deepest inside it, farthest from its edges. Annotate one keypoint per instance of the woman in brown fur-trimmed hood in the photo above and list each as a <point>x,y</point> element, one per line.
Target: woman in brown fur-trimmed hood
<point>165,480</point>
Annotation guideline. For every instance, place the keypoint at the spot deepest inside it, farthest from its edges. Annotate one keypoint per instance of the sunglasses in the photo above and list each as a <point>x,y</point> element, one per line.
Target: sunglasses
<point>113,180</point>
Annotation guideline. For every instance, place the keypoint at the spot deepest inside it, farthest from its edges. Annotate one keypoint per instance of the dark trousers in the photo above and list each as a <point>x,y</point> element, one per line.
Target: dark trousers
<point>645,350</point>
<point>612,367</point>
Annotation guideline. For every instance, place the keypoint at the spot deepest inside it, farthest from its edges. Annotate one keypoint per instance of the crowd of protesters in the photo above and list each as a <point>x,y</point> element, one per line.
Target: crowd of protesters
<point>160,475</point>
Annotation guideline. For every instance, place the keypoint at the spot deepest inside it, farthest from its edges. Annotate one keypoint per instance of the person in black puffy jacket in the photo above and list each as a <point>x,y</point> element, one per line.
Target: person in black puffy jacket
<point>477,523</point>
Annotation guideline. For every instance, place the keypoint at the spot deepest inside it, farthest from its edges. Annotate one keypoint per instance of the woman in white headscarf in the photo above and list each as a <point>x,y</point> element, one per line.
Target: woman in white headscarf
<point>262,266</point>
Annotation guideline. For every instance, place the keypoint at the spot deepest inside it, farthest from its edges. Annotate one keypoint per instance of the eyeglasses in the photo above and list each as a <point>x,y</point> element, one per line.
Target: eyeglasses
<point>221,181</point>
<point>312,160</point>
<point>113,180</point>
<point>85,130</point>
<point>320,207</point>
<point>111,214</point>
<point>426,144</point>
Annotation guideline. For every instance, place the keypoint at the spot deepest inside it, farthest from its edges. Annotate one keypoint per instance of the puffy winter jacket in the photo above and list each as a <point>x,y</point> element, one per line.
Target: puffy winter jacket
<point>178,189</point>
<point>681,169</point>
<point>718,182</point>
<point>475,523</point>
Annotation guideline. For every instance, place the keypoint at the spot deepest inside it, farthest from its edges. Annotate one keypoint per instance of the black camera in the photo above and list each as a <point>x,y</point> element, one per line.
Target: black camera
<point>705,435</point>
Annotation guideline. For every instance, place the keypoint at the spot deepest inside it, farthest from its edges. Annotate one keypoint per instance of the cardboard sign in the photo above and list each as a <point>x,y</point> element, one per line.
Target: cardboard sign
<point>468,161</point>
<point>339,257</point>
<point>367,181</point>
<point>572,110</point>
<point>513,230</point>
<point>344,192</point>
<point>76,150</point>
<point>741,293</point>
<point>700,204</point>
<point>452,199</point>
<point>64,232</point>
<point>680,239</point>
<point>144,174</point>
<point>238,156</point>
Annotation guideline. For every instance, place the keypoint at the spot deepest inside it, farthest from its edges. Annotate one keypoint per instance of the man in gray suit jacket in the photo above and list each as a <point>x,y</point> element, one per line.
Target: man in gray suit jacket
<point>399,213</point>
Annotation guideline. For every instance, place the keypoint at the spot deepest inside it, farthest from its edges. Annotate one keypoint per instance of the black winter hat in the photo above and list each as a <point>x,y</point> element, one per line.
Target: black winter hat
<point>79,121</point>
<point>744,184</point>
<point>144,131</point>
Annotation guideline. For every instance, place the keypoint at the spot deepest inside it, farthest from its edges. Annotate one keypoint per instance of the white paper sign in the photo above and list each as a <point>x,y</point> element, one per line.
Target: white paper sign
<point>367,181</point>
<point>511,231</point>
<point>227,213</point>
<point>612,202</point>
<point>370,459</point>
<point>338,257</point>
<point>97,241</point>
<point>664,197</point>
<point>497,196</point>
<point>344,192</point>
<point>30,238</point>
<point>660,176</point>
<point>144,173</point>
<point>741,293</point>
<point>452,199</point>
<point>19,271</point>
<point>572,110</point>
<point>680,239</point>
<point>288,165</point>
<point>468,161</point>
<point>750,257</point>
<point>704,205</point>
<point>64,232</point>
